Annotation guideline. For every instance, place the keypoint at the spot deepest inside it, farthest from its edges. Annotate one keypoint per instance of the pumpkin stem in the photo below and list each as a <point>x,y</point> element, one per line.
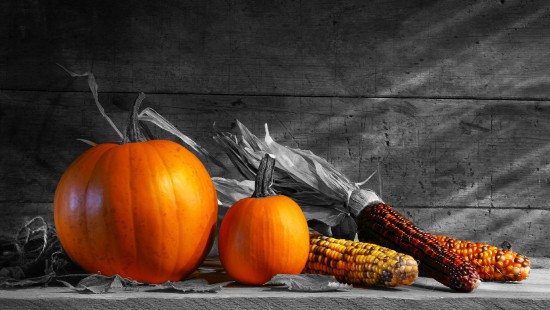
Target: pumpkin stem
<point>264,178</point>
<point>134,131</point>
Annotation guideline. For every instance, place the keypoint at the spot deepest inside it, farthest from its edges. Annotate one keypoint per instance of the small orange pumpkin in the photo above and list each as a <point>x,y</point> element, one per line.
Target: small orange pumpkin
<point>145,210</point>
<point>264,235</point>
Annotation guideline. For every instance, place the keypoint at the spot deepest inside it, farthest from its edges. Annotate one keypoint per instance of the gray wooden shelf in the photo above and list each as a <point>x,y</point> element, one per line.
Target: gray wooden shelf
<point>425,293</point>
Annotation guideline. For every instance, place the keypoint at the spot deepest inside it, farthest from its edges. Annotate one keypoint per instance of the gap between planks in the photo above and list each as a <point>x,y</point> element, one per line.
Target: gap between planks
<point>526,99</point>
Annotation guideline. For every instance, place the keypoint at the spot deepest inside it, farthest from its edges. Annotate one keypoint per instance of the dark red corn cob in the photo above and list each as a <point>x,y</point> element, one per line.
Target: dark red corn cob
<point>382,225</point>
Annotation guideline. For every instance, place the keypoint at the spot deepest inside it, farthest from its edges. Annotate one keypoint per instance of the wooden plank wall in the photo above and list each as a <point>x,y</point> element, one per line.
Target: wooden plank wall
<point>450,99</point>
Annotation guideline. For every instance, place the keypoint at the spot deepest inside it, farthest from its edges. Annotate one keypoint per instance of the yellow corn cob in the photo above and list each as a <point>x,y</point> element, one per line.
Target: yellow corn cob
<point>360,263</point>
<point>491,262</point>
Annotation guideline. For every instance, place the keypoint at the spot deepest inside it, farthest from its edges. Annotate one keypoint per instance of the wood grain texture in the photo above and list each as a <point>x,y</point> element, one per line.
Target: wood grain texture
<point>425,293</point>
<point>327,302</point>
<point>473,49</point>
<point>473,153</point>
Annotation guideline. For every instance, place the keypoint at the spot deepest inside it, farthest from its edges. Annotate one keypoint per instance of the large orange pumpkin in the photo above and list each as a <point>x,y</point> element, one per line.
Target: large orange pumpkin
<point>264,235</point>
<point>143,210</point>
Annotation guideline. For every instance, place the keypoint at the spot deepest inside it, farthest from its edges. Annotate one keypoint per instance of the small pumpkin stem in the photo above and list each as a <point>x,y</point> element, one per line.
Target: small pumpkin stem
<point>134,132</point>
<point>264,178</point>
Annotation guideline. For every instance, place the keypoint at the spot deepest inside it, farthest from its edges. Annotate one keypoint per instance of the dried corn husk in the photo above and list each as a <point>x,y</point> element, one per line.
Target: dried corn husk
<point>231,191</point>
<point>145,115</point>
<point>329,200</point>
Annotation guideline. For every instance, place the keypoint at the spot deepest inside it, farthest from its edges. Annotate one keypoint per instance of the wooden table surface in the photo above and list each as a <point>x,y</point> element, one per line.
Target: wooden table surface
<point>425,293</point>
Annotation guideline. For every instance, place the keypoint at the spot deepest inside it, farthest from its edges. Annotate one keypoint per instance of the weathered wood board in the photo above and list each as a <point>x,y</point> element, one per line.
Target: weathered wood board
<point>525,230</point>
<point>473,49</point>
<point>470,168</point>
<point>425,293</point>
<point>431,152</point>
